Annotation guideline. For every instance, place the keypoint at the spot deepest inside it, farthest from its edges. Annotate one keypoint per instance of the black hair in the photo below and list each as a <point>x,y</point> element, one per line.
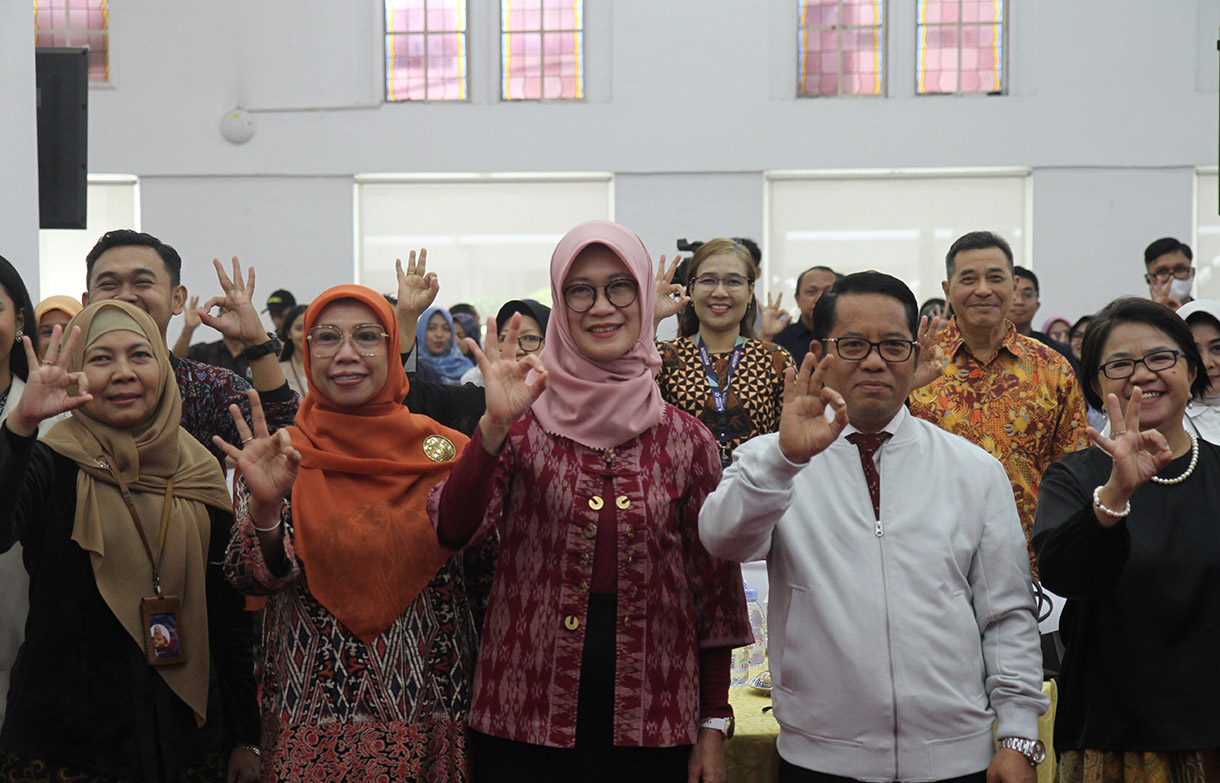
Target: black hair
<point>1020,271</point>
<point>801,277</point>
<point>1081,324</point>
<point>1133,309</point>
<point>286,331</point>
<point>1166,245</point>
<point>125,237</point>
<point>976,240</point>
<point>934,302</point>
<point>688,321</point>
<point>870,282</point>
<point>14,286</point>
<point>468,309</point>
<point>752,248</point>
<point>1203,317</point>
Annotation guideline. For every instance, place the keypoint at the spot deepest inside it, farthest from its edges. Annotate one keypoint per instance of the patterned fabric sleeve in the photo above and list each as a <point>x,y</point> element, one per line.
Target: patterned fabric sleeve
<point>244,565</point>
<point>1070,435</point>
<point>719,593</point>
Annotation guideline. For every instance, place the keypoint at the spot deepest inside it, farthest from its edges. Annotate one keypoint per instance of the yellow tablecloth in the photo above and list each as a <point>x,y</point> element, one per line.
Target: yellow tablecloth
<point>752,758</point>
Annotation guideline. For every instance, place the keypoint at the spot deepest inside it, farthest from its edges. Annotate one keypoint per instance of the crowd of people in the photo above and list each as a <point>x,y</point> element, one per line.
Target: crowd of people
<point>381,540</point>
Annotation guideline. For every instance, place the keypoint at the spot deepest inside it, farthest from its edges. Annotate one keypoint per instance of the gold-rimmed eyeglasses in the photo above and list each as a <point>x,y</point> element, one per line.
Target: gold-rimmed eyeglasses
<point>366,339</point>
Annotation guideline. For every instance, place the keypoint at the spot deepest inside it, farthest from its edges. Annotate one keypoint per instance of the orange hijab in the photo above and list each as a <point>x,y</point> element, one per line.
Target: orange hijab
<point>359,522</point>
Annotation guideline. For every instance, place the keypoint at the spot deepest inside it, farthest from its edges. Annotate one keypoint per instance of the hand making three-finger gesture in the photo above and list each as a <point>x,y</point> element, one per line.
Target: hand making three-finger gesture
<point>804,429</point>
<point>1137,455</point>
<point>509,391</point>
<point>268,462</point>
<point>48,389</point>
<point>666,303</point>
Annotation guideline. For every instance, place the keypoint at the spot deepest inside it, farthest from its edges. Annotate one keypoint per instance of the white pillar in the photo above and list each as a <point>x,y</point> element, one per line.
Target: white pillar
<point>19,150</point>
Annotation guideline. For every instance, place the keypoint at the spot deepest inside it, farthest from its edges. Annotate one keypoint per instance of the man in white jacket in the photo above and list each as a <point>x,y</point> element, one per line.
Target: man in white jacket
<point>902,622</point>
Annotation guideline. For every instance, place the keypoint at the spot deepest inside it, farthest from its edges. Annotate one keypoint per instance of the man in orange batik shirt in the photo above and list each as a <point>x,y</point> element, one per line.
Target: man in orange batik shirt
<point>1013,396</point>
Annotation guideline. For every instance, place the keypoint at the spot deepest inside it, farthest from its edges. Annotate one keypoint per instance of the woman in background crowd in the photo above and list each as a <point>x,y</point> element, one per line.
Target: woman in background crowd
<point>606,647</point>
<point>1076,335</point>
<point>1058,329</point>
<point>51,312</point>
<point>371,627</point>
<point>716,371</point>
<point>1126,531</point>
<point>531,336</point>
<point>1203,414</point>
<point>123,517</point>
<point>292,356</point>
<point>465,326</point>
<point>437,346</point>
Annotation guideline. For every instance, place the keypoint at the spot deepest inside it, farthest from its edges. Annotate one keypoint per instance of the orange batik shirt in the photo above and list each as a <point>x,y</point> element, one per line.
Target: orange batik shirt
<point>1024,407</point>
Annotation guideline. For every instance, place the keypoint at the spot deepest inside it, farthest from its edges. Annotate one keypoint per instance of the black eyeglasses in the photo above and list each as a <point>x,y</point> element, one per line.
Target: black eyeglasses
<point>581,297</point>
<point>1161,275</point>
<point>1157,361</point>
<point>529,343</point>
<point>854,349</point>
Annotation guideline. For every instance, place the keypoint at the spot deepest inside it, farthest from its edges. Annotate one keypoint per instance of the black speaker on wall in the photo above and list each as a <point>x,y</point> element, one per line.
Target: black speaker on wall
<point>61,76</point>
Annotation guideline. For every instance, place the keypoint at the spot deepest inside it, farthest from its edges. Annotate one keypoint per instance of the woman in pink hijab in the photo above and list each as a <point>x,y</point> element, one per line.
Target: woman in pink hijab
<point>605,652</point>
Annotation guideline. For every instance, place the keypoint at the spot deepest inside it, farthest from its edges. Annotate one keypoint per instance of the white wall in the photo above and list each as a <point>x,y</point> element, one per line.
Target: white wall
<point>19,151</point>
<point>1106,96</point>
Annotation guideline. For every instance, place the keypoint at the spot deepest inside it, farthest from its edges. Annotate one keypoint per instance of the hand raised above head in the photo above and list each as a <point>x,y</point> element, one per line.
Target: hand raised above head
<point>48,388</point>
<point>804,429</point>
<point>240,320</point>
<point>417,287</point>
<point>671,297</point>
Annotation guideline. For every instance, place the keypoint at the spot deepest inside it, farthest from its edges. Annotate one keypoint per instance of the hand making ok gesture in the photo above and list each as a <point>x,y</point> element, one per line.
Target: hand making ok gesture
<point>804,429</point>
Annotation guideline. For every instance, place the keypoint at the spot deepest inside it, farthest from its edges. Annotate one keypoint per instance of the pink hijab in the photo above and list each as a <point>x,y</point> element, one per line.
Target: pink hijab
<point>600,404</point>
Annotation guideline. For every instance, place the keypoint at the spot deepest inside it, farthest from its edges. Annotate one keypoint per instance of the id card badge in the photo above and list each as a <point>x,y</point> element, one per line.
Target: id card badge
<point>163,641</point>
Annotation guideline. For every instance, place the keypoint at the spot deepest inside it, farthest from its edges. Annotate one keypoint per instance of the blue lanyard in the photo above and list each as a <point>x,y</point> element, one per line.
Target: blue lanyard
<point>720,395</point>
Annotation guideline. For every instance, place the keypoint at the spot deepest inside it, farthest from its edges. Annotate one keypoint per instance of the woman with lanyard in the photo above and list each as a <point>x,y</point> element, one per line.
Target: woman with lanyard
<point>606,648</point>
<point>136,664</point>
<point>371,627</point>
<point>1203,414</point>
<point>1126,531</point>
<point>716,371</point>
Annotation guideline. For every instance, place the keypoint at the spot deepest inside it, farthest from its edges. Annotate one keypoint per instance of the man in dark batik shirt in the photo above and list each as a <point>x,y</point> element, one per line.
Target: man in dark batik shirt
<point>141,269</point>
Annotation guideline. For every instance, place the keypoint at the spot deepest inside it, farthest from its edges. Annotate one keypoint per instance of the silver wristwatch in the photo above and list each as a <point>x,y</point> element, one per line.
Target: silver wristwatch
<point>1033,750</point>
<point>724,725</point>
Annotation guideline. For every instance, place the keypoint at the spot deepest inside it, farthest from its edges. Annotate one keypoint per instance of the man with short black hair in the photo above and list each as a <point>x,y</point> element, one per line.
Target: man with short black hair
<point>1010,394</point>
<point>810,286</point>
<point>1169,272</point>
<point>901,621</point>
<point>278,305</point>
<point>1025,303</point>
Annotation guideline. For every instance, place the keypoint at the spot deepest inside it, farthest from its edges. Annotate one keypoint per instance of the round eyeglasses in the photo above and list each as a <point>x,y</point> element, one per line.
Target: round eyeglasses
<point>366,339</point>
<point>854,349</point>
<point>734,284</point>
<point>1157,361</point>
<point>581,297</point>
<point>530,343</point>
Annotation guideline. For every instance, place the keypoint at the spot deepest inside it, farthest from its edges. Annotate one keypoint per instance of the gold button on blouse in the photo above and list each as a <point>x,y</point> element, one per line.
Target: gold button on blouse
<point>584,558</point>
<point>596,503</point>
<point>626,622</point>
<point>583,589</point>
<point>622,501</point>
<point>571,622</point>
<point>633,592</point>
<point>629,532</point>
<point>591,530</point>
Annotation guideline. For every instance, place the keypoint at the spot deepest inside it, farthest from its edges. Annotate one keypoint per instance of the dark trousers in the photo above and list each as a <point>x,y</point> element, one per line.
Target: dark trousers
<point>595,757</point>
<point>790,773</point>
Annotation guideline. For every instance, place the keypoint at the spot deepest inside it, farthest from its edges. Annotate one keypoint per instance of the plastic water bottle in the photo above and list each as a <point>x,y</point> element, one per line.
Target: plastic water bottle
<point>756,653</point>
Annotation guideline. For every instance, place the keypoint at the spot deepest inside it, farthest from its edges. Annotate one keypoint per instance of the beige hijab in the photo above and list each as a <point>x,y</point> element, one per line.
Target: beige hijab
<point>146,456</point>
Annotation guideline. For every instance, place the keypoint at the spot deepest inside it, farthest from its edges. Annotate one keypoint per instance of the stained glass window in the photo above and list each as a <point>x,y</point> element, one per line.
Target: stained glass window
<point>961,46</point>
<point>76,23</point>
<point>425,50</point>
<point>541,49</point>
<point>841,47</point>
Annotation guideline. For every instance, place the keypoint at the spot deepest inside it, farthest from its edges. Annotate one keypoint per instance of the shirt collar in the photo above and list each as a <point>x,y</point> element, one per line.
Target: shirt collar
<point>953,340</point>
<point>893,426</point>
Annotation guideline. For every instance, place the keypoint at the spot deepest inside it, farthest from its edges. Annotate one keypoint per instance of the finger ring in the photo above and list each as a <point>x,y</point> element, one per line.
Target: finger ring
<point>1120,434</point>
<point>45,362</point>
<point>247,440</point>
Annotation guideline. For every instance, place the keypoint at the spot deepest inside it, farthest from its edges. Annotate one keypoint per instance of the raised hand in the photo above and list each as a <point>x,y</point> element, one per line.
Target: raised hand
<point>931,364</point>
<point>417,287</point>
<point>240,320</point>
<point>1137,456</point>
<point>269,462</point>
<point>803,428</point>
<point>48,387</point>
<point>1159,293</point>
<point>666,305</point>
<point>774,318</point>
<point>191,315</point>
<point>507,391</point>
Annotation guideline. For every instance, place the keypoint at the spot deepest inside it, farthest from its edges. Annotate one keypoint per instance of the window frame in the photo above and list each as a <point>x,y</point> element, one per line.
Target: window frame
<point>883,34</point>
<point>1005,25</point>
<point>502,14</point>
<point>386,34</point>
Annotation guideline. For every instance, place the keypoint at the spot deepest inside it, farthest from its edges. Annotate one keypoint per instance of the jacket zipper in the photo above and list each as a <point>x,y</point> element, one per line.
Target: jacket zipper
<point>889,642</point>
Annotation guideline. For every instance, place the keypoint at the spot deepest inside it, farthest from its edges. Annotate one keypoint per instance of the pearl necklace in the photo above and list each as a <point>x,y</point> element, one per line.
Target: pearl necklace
<point>1194,460</point>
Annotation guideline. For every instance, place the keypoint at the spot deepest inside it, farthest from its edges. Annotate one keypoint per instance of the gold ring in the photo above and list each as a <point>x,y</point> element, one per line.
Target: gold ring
<point>247,440</point>
<point>45,362</point>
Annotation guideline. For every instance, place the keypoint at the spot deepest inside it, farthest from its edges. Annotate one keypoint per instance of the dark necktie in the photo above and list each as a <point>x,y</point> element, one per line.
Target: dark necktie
<point>868,445</point>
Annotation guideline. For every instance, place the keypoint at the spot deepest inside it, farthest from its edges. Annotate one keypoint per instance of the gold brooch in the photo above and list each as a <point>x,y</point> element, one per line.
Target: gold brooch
<point>438,448</point>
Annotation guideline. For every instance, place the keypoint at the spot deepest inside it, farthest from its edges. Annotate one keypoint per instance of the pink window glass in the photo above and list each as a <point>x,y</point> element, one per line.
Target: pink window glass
<point>425,50</point>
<point>961,46</point>
<point>76,23</point>
<point>542,49</point>
<point>841,47</point>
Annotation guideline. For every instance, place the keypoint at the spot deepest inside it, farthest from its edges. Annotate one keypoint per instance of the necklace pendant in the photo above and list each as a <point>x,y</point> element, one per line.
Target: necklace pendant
<point>608,456</point>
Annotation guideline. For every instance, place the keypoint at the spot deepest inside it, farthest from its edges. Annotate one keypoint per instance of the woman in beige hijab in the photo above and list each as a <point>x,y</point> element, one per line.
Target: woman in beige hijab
<point>123,517</point>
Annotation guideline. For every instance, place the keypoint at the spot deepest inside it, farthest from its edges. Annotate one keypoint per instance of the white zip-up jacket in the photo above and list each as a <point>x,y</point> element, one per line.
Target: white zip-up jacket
<point>894,643</point>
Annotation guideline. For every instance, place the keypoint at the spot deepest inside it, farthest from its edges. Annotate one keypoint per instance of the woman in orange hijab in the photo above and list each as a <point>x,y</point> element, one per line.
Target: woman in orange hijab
<point>370,629</point>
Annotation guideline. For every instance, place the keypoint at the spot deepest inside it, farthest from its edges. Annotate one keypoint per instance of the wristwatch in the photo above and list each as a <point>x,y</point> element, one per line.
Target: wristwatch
<point>1033,750</point>
<point>272,346</point>
<point>723,725</point>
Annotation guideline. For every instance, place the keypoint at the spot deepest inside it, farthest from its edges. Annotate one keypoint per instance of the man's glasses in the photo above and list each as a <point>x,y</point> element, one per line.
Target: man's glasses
<point>1157,361</point>
<point>1161,275</point>
<point>734,284</point>
<point>581,297</point>
<point>854,349</point>
<point>366,339</point>
<point>530,343</point>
